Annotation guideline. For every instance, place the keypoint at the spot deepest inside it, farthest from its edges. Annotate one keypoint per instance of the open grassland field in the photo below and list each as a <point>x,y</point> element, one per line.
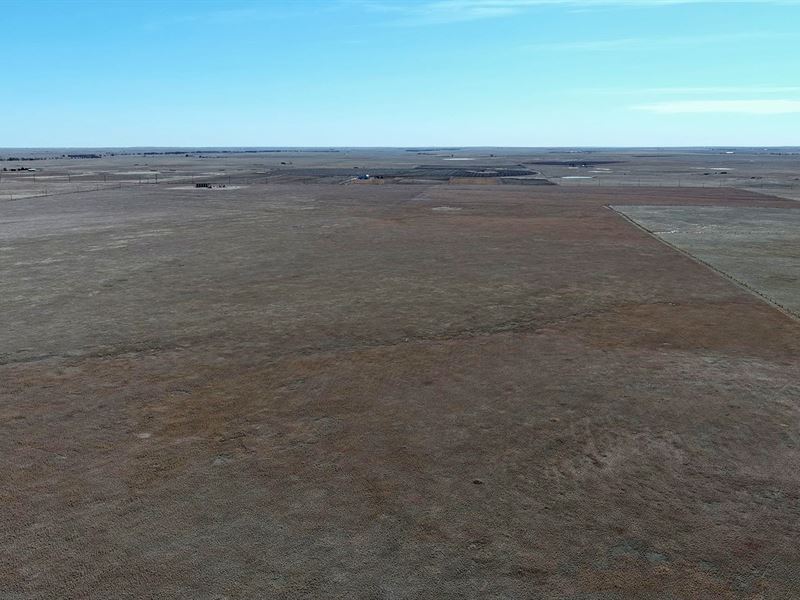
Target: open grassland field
<point>421,389</point>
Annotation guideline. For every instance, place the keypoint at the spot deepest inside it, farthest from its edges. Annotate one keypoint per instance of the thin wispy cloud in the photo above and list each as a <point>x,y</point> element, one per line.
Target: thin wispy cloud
<point>451,11</point>
<point>740,89</point>
<point>720,91</point>
<point>750,107</point>
<point>650,42</point>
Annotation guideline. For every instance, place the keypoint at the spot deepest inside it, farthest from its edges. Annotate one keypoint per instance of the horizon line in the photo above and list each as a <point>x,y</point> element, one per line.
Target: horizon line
<point>401,147</point>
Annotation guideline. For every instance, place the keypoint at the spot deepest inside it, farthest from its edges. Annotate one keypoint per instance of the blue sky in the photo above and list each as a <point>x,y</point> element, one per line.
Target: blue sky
<point>395,73</point>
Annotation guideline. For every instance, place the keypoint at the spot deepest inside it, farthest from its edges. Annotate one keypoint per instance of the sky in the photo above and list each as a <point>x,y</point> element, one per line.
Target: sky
<point>400,73</point>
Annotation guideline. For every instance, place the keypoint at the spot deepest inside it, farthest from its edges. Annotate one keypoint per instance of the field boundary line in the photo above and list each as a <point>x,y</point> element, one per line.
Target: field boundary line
<point>740,284</point>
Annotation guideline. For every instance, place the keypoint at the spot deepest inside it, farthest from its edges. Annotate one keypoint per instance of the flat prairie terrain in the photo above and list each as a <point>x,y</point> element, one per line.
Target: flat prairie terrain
<point>281,390</point>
